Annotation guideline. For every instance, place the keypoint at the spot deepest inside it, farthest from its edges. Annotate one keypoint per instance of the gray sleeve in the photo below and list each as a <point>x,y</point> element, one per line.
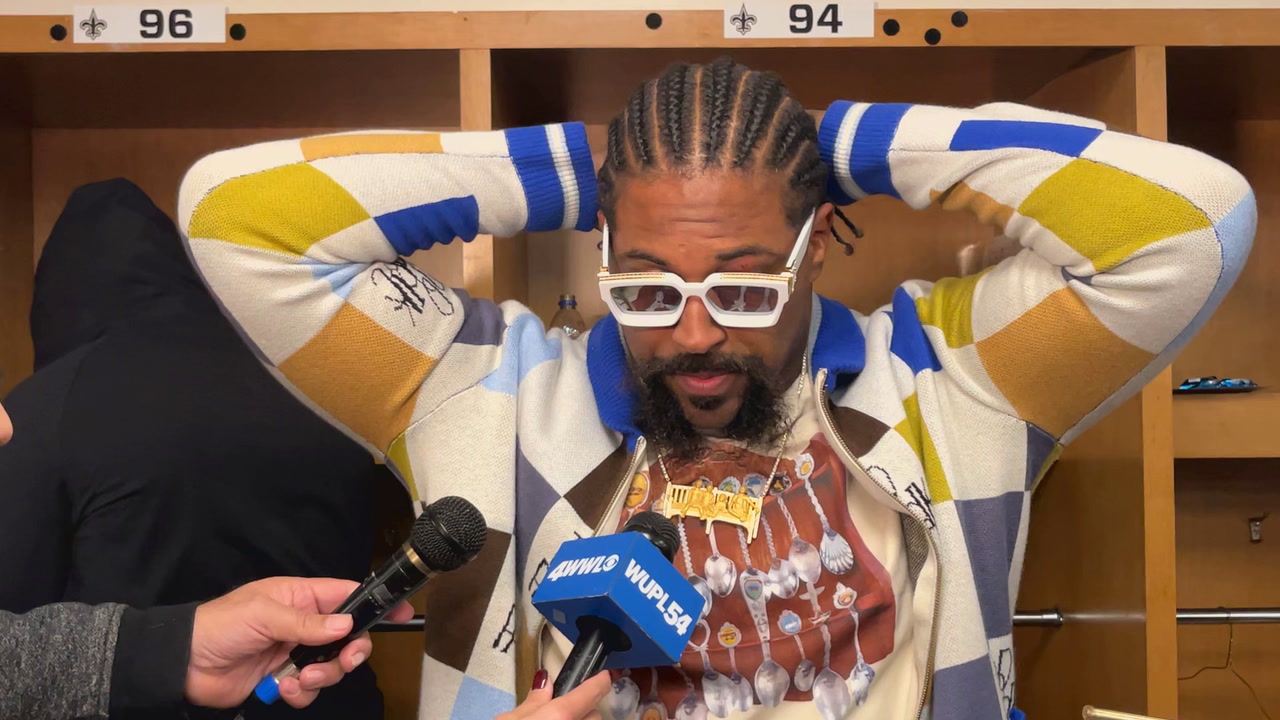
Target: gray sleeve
<point>55,661</point>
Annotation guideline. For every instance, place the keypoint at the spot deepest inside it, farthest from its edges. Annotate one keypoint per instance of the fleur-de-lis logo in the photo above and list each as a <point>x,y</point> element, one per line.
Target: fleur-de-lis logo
<point>93,26</point>
<point>743,20</point>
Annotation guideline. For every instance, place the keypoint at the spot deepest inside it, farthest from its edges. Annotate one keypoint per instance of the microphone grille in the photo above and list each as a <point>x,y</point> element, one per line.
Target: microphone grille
<point>658,529</point>
<point>448,534</point>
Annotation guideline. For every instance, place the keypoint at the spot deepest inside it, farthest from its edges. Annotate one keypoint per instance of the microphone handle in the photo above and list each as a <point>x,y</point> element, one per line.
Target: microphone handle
<point>597,638</point>
<point>396,581</point>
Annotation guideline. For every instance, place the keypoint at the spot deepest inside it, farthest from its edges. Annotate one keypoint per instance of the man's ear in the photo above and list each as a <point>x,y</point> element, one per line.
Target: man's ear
<point>820,239</point>
<point>600,221</point>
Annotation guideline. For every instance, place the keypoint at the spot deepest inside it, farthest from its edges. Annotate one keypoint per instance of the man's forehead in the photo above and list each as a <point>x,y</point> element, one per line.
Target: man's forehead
<point>709,209</point>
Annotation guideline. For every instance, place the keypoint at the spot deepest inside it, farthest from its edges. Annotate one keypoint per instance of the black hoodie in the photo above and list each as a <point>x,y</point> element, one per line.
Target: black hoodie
<point>155,461</point>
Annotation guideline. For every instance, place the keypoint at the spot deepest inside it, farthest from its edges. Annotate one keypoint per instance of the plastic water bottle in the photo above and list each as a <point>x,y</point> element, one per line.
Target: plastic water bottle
<point>567,318</point>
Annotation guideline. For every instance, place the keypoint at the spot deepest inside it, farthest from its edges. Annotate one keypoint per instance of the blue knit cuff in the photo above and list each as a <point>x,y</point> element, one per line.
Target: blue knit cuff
<point>556,172</point>
<point>867,158</point>
<point>828,131</point>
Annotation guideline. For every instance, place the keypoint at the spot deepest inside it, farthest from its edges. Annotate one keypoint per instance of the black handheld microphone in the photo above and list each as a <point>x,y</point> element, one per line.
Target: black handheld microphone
<point>446,536</point>
<point>599,636</point>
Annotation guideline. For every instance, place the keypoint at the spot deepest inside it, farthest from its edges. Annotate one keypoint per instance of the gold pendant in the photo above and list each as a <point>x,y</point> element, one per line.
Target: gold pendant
<point>711,505</point>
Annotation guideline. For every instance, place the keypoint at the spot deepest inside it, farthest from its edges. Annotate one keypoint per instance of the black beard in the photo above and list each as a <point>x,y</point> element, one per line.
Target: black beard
<point>759,421</point>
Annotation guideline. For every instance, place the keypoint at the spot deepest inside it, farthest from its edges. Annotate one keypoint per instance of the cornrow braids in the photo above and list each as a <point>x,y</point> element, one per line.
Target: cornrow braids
<point>848,247</point>
<point>720,116</point>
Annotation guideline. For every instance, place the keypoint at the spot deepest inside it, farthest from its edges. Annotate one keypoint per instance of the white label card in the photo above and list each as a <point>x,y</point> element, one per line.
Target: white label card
<point>129,24</point>
<point>808,20</point>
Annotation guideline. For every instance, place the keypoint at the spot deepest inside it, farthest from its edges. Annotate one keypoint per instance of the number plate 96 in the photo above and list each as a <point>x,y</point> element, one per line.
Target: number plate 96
<point>128,24</point>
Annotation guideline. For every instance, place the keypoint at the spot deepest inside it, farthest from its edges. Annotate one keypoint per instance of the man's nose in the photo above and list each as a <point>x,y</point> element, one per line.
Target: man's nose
<point>696,332</point>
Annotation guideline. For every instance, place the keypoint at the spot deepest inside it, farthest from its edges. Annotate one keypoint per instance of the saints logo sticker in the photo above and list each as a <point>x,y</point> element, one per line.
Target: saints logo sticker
<point>743,21</point>
<point>93,25</point>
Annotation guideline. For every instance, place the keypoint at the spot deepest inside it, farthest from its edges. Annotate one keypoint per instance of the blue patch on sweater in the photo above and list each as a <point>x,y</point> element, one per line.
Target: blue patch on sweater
<point>607,368</point>
<point>482,321</point>
<point>840,346</point>
<point>526,347</point>
<point>828,133</point>
<point>869,158</point>
<point>340,276</point>
<point>421,226</point>
<point>966,692</point>
<point>909,342</point>
<point>479,701</point>
<point>990,527</point>
<point>584,172</point>
<point>536,168</point>
<point>534,499</point>
<point>1069,140</point>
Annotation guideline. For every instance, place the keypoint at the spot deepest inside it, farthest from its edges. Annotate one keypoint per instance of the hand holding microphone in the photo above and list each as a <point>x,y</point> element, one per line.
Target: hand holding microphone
<point>446,536</point>
<point>240,636</point>
<point>620,600</point>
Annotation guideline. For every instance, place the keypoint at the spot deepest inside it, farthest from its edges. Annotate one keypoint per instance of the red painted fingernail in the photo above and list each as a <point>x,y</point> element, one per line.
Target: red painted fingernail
<point>539,679</point>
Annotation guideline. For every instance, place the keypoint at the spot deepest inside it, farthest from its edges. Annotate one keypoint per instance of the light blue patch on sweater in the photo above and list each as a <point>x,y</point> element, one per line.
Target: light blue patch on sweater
<point>526,347</point>
<point>340,276</point>
<point>479,701</point>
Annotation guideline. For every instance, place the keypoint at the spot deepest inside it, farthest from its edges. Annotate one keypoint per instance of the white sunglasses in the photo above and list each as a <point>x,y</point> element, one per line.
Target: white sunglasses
<point>734,299</point>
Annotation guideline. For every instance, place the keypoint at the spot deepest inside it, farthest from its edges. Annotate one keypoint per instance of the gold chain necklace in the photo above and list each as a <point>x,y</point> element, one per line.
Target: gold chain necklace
<point>734,508</point>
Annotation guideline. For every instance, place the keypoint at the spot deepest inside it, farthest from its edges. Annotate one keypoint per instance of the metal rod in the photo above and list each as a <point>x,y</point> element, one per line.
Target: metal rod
<point>414,625</point>
<point>1040,618</point>
<point>1093,713</point>
<point>1187,616</point>
<point>1230,616</point>
<point>1031,618</point>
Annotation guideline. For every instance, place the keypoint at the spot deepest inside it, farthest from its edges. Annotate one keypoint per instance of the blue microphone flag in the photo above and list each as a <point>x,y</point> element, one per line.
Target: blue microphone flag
<point>624,579</point>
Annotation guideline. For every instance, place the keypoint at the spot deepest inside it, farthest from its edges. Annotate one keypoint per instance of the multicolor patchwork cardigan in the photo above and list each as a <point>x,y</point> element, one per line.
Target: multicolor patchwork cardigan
<point>951,400</point>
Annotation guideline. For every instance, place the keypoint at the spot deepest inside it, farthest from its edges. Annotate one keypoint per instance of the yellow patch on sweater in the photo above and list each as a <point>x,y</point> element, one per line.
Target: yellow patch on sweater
<point>286,209</point>
<point>949,307</point>
<point>1107,214</point>
<point>913,430</point>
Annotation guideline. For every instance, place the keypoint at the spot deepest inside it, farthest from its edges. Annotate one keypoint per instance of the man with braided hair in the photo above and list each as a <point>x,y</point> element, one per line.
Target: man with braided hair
<point>889,457</point>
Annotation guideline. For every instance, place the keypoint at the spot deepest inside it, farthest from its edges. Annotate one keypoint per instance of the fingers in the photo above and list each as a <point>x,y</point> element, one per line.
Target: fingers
<point>355,653</point>
<point>328,592</point>
<point>285,624</point>
<point>587,695</point>
<point>292,692</point>
<point>301,691</point>
<point>578,704</point>
<point>535,700</point>
<point>402,613</point>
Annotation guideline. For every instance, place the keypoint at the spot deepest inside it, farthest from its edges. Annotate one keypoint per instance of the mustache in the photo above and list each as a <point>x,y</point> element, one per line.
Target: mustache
<point>691,364</point>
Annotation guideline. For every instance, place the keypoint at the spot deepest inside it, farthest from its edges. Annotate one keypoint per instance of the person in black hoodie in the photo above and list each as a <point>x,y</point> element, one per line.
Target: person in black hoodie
<point>157,461</point>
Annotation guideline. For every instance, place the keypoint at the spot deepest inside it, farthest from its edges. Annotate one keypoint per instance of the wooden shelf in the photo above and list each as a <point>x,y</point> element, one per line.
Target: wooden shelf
<point>1224,101</point>
<point>146,113</point>
<point>1240,425</point>
<point>1219,566</point>
<point>684,29</point>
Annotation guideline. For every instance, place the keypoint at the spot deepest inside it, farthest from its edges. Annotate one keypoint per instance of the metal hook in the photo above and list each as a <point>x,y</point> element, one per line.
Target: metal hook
<point>1255,527</point>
